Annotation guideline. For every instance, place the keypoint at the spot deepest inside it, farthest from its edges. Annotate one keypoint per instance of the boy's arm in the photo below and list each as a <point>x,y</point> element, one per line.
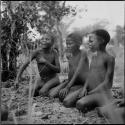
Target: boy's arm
<point>26,64</point>
<point>80,65</point>
<point>107,84</point>
<point>83,91</point>
<point>56,67</point>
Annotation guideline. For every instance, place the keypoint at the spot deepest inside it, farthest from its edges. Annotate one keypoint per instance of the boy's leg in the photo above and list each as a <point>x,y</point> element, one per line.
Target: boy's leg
<point>90,102</point>
<point>120,114</point>
<point>71,98</point>
<point>37,87</point>
<point>112,111</point>
<point>48,85</point>
<point>55,91</point>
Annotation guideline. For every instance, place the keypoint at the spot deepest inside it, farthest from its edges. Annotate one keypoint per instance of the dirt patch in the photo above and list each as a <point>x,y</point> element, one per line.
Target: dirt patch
<point>45,110</point>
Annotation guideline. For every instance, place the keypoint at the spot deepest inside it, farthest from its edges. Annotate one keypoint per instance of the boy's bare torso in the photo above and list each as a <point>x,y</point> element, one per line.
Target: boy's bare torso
<point>43,69</point>
<point>97,71</point>
<point>73,65</point>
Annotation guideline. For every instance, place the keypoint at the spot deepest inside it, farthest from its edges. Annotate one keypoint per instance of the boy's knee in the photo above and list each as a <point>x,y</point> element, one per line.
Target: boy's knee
<point>44,89</point>
<point>43,92</point>
<point>81,105</point>
<point>53,94</point>
<point>67,103</point>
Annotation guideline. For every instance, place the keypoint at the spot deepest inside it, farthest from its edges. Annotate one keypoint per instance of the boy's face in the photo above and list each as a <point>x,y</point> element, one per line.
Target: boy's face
<point>85,42</point>
<point>71,44</point>
<point>45,41</point>
<point>93,42</point>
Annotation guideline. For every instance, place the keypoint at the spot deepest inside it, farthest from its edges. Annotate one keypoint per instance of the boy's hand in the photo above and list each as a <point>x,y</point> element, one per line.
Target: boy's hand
<point>121,103</point>
<point>63,92</point>
<point>82,93</point>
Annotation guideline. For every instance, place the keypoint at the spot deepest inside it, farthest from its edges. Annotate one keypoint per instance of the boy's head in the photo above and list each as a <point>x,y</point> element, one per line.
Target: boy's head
<point>47,40</point>
<point>73,41</point>
<point>98,39</point>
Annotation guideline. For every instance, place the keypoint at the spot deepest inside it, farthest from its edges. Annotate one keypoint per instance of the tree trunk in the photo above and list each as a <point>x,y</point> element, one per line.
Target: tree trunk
<point>5,72</point>
<point>12,61</point>
<point>8,72</point>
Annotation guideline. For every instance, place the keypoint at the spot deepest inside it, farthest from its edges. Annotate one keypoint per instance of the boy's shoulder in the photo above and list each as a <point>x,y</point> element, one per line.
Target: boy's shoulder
<point>84,53</point>
<point>109,57</point>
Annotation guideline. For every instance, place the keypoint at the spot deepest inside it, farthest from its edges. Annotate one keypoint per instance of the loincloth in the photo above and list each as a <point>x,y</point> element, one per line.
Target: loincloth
<point>47,78</point>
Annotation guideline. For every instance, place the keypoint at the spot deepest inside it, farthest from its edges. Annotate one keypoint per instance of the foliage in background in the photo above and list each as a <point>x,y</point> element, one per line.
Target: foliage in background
<point>16,17</point>
<point>98,25</point>
<point>120,35</point>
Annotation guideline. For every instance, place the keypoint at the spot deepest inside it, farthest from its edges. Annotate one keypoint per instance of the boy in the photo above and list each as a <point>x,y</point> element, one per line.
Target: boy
<point>48,65</point>
<point>114,111</point>
<point>100,77</point>
<point>78,68</point>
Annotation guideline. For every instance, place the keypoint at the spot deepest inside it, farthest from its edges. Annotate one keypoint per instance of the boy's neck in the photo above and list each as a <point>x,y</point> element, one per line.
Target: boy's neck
<point>97,52</point>
<point>47,50</point>
<point>102,48</point>
<point>75,52</point>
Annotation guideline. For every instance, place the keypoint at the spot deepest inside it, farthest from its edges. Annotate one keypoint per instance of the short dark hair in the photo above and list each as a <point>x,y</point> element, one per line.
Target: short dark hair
<point>76,37</point>
<point>103,34</point>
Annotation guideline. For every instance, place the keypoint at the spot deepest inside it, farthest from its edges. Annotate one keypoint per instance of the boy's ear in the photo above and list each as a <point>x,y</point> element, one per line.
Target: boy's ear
<point>103,41</point>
